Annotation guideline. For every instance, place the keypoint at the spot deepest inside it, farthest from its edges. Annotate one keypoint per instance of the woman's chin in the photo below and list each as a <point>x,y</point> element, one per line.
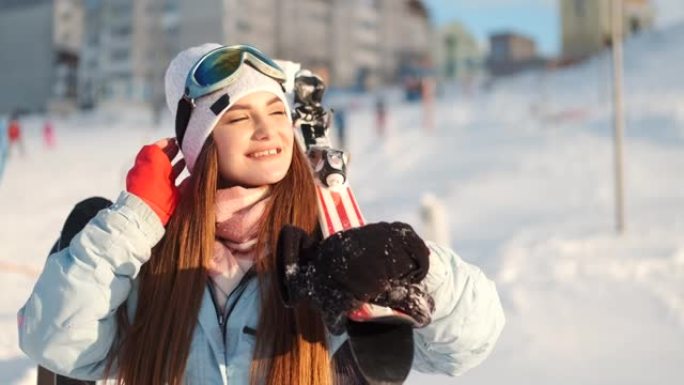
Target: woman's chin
<point>263,180</point>
<point>253,178</point>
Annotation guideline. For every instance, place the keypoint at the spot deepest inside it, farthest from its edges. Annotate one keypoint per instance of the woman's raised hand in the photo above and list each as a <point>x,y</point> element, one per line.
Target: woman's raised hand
<point>382,264</point>
<point>153,177</point>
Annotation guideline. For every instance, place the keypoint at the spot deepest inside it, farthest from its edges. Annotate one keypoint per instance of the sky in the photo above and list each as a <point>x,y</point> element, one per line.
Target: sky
<point>538,19</point>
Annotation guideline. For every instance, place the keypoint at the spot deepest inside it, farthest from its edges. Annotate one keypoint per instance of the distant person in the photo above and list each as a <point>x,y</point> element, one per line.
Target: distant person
<point>380,116</point>
<point>341,126</point>
<point>428,89</point>
<point>4,145</point>
<point>49,135</point>
<point>14,135</point>
<point>412,89</point>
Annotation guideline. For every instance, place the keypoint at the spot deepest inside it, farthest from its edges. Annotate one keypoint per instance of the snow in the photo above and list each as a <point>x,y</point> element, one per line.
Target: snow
<point>524,170</point>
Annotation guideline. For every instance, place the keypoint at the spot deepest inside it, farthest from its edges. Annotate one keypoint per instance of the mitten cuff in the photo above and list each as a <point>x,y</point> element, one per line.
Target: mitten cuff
<point>292,244</point>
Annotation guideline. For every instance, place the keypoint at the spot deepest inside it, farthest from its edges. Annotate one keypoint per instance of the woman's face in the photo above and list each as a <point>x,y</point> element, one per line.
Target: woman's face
<point>254,139</point>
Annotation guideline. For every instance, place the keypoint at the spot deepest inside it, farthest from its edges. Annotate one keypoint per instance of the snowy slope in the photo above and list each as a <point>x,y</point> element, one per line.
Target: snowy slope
<point>525,172</point>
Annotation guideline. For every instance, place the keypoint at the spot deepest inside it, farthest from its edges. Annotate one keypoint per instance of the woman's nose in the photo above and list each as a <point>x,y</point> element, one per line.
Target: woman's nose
<point>262,129</point>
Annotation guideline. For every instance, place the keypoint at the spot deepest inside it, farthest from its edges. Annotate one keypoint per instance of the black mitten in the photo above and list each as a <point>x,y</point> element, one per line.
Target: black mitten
<point>382,264</point>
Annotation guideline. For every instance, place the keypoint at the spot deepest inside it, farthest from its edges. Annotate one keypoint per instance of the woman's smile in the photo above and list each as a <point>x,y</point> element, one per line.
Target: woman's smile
<point>265,154</point>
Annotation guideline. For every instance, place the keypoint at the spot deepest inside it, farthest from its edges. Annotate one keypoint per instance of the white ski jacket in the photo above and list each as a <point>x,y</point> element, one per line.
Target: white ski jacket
<point>68,323</point>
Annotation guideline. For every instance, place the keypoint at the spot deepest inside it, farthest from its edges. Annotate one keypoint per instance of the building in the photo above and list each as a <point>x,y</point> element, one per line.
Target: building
<point>511,53</point>
<point>406,37</point>
<point>130,43</point>
<point>116,51</point>
<point>67,40</point>
<point>228,22</point>
<point>457,53</point>
<point>586,24</point>
<point>358,42</point>
<point>339,38</point>
<point>304,33</point>
<point>354,41</point>
<point>88,70</point>
<point>126,49</point>
<point>39,41</point>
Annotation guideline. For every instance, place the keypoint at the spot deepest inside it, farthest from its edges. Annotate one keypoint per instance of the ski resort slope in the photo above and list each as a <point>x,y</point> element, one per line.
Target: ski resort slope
<point>524,170</point>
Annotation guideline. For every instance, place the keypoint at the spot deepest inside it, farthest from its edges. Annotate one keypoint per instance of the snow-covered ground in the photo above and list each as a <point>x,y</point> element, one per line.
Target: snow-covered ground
<point>524,170</point>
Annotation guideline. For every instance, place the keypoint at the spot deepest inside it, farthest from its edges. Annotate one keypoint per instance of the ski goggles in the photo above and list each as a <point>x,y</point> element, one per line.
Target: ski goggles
<point>218,69</point>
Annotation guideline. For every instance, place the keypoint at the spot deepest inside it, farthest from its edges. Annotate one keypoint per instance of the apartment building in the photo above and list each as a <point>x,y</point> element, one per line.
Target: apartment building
<point>128,44</point>
<point>117,50</point>
<point>511,53</point>
<point>406,37</point>
<point>337,37</point>
<point>228,22</point>
<point>458,55</point>
<point>304,31</point>
<point>355,55</point>
<point>39,41</point>
<point>586,24</point>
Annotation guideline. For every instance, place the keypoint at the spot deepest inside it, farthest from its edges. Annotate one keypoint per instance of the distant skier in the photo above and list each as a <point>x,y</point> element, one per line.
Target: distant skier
<point>49,139</point>
<point>16,141</point>
<point>380,117</point>
<point>4,145</point>
<point>428,89</point>
<point>222,279</point>
<point>341,126</point>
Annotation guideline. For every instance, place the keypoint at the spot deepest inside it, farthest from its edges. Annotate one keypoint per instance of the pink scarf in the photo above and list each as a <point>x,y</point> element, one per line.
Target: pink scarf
<point>238,211</point>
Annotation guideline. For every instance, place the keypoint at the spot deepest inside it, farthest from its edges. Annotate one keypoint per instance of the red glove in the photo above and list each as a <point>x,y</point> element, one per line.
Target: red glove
<point>153,178</point>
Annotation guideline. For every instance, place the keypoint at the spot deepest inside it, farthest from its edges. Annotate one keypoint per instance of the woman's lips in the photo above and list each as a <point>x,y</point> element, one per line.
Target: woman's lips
<point>267,153</point>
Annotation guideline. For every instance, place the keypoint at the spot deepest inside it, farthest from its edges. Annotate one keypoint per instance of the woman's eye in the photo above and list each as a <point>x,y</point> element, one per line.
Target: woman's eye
<point>236,120</point>
<point>278,112</point>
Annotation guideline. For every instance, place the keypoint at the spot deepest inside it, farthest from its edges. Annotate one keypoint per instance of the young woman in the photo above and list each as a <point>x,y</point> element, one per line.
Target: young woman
<point>221,279</point>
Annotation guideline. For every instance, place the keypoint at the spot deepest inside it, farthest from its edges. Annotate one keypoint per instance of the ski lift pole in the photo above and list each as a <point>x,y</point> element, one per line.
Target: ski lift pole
<point>618,109</point>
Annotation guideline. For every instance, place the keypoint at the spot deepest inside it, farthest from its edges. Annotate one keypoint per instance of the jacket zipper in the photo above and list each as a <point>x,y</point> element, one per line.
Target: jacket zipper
<point>236,294</point>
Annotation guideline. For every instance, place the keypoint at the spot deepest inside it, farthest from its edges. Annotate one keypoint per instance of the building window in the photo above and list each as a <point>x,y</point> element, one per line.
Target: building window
<point>65,17</point>
<point>499,51</point>
<point>93,39</point>
<point>65,38</point>
<point>121,9</point>
<point>580,8</point>
<point>119,54</point>
<point>367,25</point>
<point>121,30</point>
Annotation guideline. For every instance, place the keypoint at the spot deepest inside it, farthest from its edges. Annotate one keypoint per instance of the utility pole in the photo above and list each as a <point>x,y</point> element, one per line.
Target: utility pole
<point>618,107</point>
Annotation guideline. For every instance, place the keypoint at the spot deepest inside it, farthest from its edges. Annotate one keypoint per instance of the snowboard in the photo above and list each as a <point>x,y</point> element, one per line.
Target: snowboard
<point>380,338</point>
<point>79,216</point>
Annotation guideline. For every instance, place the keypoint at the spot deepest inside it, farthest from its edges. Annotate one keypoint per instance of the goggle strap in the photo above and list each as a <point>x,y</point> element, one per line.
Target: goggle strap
<point>182,118</point>
<point>220,104</point>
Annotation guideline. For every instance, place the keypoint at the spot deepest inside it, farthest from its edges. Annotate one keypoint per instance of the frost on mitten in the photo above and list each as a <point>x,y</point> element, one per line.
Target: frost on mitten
<point>382,263</point>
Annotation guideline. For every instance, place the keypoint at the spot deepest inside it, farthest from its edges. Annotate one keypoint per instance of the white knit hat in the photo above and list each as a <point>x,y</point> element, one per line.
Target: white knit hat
<point>203,117</point>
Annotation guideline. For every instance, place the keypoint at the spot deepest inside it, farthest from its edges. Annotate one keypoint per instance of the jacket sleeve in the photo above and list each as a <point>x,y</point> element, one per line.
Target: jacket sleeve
<point>468,316</point>
<point>68,323</point>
